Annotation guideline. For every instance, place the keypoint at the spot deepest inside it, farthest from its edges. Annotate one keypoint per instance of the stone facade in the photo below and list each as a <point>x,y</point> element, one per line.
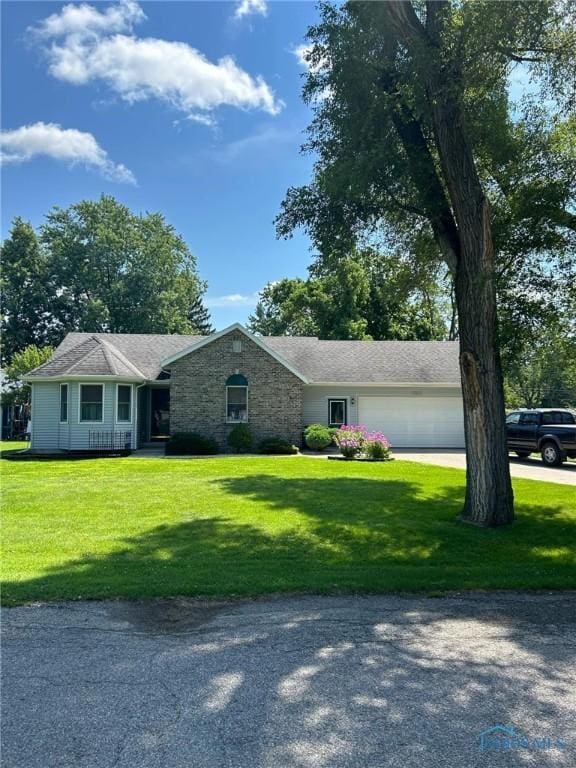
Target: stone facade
<point>198,391</point>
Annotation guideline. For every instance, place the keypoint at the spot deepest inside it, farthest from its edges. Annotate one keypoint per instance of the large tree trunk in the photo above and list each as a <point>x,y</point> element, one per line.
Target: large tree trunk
<point>489,497</point>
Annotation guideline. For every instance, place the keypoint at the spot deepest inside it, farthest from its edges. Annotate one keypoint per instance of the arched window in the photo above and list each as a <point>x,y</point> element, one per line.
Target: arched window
<point>236,399</point>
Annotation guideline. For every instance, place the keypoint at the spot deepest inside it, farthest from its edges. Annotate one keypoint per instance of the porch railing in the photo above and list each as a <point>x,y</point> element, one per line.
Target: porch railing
<point>109,440</point>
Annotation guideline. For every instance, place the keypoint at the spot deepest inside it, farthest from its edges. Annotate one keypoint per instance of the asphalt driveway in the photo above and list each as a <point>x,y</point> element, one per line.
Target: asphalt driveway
<point>333,682</point>
<point>530,468</point>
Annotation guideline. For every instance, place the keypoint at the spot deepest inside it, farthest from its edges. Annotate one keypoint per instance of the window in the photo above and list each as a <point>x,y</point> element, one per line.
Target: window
<point>124,402</point>
<point>91,401</point>
<point>513,418</point>
<point>337,412</point>
<point>63,403</point>
<point>237,345</point>
<point>552,417</point>
<point>568,418</point>
<point>529,418</point>
<point>237,398</point>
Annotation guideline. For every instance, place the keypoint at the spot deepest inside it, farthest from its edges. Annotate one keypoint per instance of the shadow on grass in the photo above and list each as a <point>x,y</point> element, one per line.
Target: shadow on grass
<point>349,534</point>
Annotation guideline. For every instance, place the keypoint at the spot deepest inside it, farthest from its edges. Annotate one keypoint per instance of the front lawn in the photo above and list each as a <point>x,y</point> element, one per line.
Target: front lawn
<point>13,445</point>
<point>138,527</point>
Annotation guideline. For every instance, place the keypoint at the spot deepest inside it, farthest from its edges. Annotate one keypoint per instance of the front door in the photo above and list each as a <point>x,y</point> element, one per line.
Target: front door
<point>159,413</point>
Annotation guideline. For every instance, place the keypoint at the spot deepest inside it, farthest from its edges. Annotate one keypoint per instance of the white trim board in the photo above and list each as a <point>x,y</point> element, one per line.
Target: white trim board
<point>87,377</point>
<point>391,384</point>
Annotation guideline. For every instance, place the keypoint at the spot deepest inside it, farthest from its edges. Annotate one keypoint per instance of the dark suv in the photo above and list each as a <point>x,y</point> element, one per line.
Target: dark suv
<point>551,431</point>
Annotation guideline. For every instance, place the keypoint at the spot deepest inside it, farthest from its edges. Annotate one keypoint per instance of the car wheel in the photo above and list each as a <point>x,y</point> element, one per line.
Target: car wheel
<point>522,454</point>
<point>551,455</point>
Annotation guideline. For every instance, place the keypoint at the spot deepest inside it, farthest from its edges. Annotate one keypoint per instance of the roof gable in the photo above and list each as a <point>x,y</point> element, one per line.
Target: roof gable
<point>259,341</point>
<point>92,357</point>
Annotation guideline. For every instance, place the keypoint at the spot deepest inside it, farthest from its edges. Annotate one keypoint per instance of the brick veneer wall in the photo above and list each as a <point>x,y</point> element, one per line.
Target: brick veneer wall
<point>198,392</point>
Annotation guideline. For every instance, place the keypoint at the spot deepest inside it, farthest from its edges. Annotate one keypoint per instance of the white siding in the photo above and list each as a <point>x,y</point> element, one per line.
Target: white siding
<point>45,416</point>
<point>315,403</point>
<point>49,434</point>
<point>79,431</point>
<point>315,410</point>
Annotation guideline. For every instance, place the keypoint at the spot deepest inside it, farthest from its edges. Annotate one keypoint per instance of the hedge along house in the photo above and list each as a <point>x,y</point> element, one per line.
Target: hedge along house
<point>128,390</point>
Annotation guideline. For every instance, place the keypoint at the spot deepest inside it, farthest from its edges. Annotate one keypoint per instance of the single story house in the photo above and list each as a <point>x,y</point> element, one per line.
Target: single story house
<point>134,389</point>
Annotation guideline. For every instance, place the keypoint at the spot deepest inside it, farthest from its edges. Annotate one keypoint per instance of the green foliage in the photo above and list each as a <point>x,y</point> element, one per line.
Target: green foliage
<point>119,272</point>
<point>378,175</point>
<point>240,438</point>
<point>191,444</point>
<point>278,446</point>
<point>199,317</point>
<point>317,437</point>
<point>22,362</point>
<point>24,303</point>
<point>376,450</point>
<point>543,373</point>
<point>350,439</point>
<point>98,267</point>
<point>363,296</point>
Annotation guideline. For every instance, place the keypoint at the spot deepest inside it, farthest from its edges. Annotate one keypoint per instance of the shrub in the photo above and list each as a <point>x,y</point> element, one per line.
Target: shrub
<point>317,437</point>
<point>377,446</point>
<point>240,438</point>
<point>191,444</point>
<point>350,440</point>
<point>278,446</point>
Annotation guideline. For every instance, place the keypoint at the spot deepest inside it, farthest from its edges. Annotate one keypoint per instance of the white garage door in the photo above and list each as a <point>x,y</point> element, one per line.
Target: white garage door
<point>415,422</point>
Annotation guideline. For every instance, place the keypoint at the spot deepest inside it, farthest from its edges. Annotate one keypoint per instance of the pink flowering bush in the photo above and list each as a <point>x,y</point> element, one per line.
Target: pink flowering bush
<point>376,445</point>
<point>350,440</point>
<point>354,440</point>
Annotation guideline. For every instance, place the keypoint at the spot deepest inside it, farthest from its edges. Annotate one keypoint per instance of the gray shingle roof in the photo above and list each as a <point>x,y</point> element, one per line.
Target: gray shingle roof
<point>370,361</point>
<point>378,362</point>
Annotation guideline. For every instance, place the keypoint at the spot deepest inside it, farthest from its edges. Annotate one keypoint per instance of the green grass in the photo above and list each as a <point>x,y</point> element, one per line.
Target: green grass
<point>13,445</point>
<point>244,526</point>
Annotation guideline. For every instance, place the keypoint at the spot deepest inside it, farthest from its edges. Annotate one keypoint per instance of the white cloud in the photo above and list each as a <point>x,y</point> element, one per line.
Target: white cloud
<point>232,300</point>
<point>301,51</point>
<point>85,19</point>
<point>302,54</point>
<point>138,69</point>
<point>66,144</point>
<point>246,7</point>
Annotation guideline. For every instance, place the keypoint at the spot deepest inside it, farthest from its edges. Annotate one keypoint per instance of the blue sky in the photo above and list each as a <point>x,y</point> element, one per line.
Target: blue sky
<point>188,108</point>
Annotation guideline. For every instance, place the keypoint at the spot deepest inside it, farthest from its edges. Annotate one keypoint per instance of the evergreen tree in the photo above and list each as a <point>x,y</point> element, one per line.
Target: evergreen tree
<point>25,306</point>
<point>199,317</point>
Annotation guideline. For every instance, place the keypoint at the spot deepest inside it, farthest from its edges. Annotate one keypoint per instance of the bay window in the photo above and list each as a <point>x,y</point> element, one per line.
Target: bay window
<point>124,403</point>
<point>91,402</point>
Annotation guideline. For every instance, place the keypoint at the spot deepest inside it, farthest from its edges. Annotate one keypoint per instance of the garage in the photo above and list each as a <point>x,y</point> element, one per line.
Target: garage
<point>415,421</point>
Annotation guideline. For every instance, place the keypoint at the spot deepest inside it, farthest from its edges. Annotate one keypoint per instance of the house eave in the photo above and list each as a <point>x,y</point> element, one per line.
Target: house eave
<point>387,383</point>
<point>83,377</point>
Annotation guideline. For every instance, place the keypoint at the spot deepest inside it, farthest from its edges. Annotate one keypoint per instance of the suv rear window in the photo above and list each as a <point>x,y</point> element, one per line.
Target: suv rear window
<point>529,418</point>
<point>557,417</point>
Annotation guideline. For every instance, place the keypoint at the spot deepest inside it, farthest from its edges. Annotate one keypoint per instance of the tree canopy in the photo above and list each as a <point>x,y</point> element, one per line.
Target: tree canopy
<point>97,266</point>
<point>22,362</point>
<point>367,295</point>
<point>415,135</point>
